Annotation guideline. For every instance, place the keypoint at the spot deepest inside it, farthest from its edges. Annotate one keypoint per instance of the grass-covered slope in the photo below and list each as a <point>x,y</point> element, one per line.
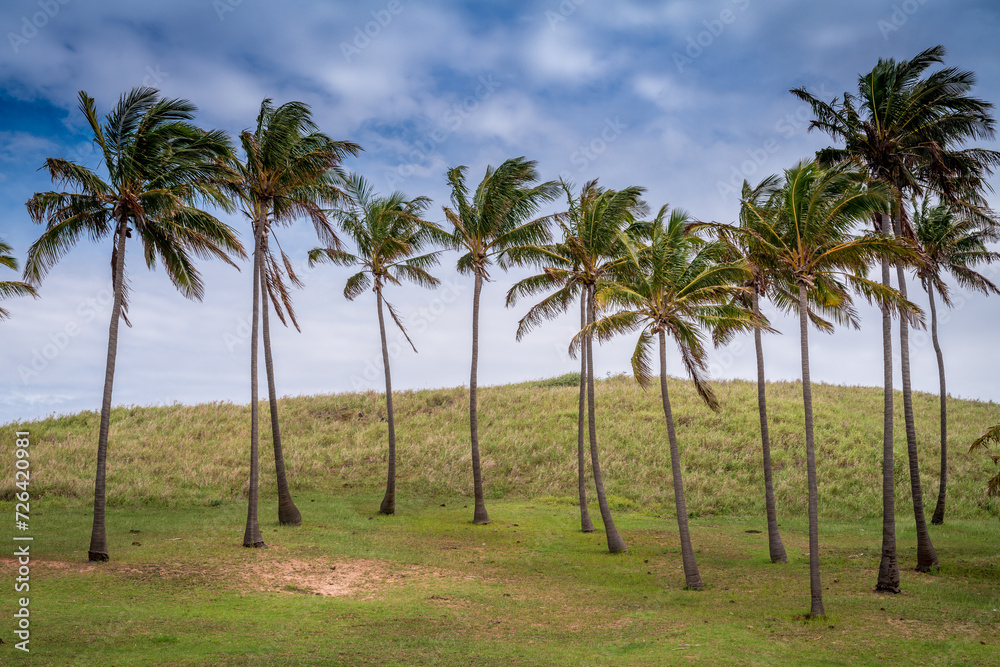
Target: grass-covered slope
<point>180,455</point>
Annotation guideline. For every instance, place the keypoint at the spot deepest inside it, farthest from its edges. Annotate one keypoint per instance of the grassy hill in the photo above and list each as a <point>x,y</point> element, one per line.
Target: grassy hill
<point>181,455</point>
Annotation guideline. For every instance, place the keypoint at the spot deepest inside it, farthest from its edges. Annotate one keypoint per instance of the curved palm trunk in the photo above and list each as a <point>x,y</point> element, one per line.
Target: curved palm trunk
<point>479,516</point>
<point>252,536</point>
<point>388,505</point>
<point>288,513</point>
<point>938,517</point>
<point>926,556</point>
<point>586,525</point>
<point>691,576</point>
<point>615,542</point>
<point>815,588</point>
<point>98,551</point>
<point>774,544</point>
<point>888,568</point>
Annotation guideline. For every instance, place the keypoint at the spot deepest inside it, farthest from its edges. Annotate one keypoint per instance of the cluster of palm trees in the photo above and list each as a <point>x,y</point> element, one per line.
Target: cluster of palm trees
<point>657,276</point>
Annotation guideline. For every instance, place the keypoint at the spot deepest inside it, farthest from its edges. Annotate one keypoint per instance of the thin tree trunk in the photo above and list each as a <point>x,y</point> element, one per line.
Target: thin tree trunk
<point>252,536</point>
<point>586,525</point>
<point>774,544</point>
<point>388,505</point>
<point>926,556</point>
<point>479,516</point>
<point>938,517</point>
<point>615,542</point>
<point>98,551</point>
<point>288,513</point>
<point>691,576</point>
<point>888,568</point>
<point>815,588</point>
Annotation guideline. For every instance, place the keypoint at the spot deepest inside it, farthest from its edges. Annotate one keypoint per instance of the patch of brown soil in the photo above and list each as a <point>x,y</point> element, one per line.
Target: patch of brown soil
<point>322,576</point>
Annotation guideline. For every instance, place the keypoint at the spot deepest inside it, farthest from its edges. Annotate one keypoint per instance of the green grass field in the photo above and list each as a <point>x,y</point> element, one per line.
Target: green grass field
<point>350,587</point>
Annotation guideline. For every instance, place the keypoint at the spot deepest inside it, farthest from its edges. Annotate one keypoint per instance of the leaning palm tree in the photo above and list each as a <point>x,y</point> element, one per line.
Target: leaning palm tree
<point>951,243</point>
<point>496,224</point>
<point>905,130</point>
<point>806,226</point>
<point>992,435</point>
<point>388,232</point>
<point>11,288</point>
<point>682,287</point>
<point>289,171</point>
<point>595,244</point>
<point>159,167</point>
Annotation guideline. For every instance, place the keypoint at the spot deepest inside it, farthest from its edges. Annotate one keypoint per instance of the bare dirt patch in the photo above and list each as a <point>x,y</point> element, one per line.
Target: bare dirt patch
<point>364,578</point>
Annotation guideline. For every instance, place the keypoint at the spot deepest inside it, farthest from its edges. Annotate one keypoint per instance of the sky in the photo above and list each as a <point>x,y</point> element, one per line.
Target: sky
<point>683,98</point>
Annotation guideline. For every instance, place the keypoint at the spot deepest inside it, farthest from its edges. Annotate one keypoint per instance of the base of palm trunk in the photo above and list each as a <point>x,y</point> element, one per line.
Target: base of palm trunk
<point>289,516</point>
<point>480,517</point>
<point>588,529</point>
<point>255,545</point>
<point>895,590</point>
<point>98,557</point>
<point>387,507</point>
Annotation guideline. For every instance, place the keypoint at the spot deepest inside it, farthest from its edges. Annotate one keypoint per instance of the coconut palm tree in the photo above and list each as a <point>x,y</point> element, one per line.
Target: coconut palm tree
<point>951,243</point>
<point>595,244</point>
<point>290,170</point>
<point>905,129</point>
<point>683,287</point>
<point>806,227</point>
<point>495,225</point>
<point>992,435</point>
<point>11,288</point>
<point>388,232</point>
<point>159,167</point>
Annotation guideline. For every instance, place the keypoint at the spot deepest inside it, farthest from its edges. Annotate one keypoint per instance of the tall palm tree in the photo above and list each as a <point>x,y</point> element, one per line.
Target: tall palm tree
<point>595,244</point>
<point>951,243</point>
<point>388,232</point>
<point>11,288</point>
<point>159,167</point>
<point>905,129</point>
<point>290,170</point>
<point>496,224</point>
<point>806,226</point>
<point>683,287</point>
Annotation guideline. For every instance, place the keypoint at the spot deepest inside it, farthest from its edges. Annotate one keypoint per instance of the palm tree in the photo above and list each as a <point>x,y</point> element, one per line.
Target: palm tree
<point>11,288</point>
<point>682,288</point>
<point>806,226</point>
<point>952,243</point>
<point>159,166</point>
<point>387,232</point>
<point>496,224</point>
<point>992,435</point>
<point>595,243</point>
<point>290,170</point>
<point>905,130</point>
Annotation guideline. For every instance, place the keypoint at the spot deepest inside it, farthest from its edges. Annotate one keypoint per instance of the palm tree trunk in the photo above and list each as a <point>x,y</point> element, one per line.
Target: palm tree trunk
<point>774,544</point>
<point>252,536</point>
<point>615,542</point>
<point>926,556</point>
<point>98,551</point>
<point>288,513</point>
<point>479,516</point>
<point>888,568</point>
<point>938,517</point>
<point>691,576</point>
<point>388,505</point>
<point>586,525</point>
<point>815,588</point>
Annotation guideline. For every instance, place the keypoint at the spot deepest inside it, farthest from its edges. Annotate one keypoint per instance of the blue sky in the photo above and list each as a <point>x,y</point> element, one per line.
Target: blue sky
<point>683,98</point>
